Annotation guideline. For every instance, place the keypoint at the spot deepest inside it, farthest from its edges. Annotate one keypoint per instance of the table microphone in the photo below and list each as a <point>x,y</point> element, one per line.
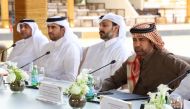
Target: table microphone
<point>8,48</point>
<point>184,74</point>
<point>48,52</point>
<point>112,62</point>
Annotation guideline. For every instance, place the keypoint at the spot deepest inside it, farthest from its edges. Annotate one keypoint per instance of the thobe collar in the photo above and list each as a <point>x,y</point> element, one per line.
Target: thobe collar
<point>59,42</point>
<point>23,41</point>
<point>110,42</point>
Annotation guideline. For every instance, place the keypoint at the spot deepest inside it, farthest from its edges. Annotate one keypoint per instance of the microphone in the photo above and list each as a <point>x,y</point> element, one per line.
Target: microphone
<point>112,62</point>
<point>8,48</point>
<point>36,59</point>
<point>187,72</point>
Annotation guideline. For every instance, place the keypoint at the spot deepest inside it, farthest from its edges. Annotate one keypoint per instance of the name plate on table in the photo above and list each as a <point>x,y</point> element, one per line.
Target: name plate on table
<point>51,90</point>
<point>114,103</point>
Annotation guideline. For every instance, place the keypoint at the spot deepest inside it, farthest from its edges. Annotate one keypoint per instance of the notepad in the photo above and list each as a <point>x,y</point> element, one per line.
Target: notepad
<point>125,96</point>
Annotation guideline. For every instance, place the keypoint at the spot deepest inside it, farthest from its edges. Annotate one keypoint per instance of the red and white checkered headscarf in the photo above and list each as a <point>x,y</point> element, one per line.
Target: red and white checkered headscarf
<point>153,36</point>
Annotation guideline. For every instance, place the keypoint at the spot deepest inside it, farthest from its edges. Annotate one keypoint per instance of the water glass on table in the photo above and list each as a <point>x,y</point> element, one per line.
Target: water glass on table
<point>176,101</point>
<point>97,84</point>
<point>2,85</point>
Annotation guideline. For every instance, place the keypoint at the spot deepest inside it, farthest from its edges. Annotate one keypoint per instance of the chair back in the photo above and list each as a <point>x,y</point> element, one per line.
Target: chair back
<point>3,53</point>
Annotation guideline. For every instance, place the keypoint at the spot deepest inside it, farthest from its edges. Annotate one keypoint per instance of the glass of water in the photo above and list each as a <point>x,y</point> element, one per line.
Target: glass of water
<point>2,85</point>
<point>97,84</point>
<point>41,73</point>
<point>176,101</point>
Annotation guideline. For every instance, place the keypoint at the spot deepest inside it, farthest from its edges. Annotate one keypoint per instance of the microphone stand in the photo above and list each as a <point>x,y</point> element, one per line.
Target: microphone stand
<point>26,82</point>
<point>187,72</point>
<point>112,62</point>
<point>35,59</point>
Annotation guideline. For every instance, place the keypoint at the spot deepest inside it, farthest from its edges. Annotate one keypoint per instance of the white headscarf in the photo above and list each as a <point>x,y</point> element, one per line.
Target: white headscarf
<point>69,35</point>
<point>37,35</point>
<point>119,20</point>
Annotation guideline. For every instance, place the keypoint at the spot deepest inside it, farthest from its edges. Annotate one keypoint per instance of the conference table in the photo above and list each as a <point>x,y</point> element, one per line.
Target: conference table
<point>27,100</point>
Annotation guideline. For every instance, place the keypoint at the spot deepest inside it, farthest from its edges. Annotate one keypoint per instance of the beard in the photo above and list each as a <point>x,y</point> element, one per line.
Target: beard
<point>105,36</point>
<point>25,36</point>
<point>139,51</point>
<point>53,37</point>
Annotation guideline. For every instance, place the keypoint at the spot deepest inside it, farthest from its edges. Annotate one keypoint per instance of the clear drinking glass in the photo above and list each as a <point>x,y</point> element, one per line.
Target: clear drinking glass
<point>97,84</point>
<point>2,86</point>
<point>41,73</point>
<point>176,101</point>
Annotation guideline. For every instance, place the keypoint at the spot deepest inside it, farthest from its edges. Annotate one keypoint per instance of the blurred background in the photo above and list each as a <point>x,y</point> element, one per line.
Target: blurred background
<point>171,16</point>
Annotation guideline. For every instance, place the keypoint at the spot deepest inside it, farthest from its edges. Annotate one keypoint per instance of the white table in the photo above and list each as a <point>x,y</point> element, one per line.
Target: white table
<point>27,100</point>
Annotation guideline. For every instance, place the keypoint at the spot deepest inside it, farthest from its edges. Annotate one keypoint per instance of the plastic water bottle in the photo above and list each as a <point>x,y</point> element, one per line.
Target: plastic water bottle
<point>34,76</point>
<point>90,94</point>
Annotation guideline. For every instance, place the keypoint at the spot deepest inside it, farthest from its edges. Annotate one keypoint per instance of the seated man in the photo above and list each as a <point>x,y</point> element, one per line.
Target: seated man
<point>31,44</point>
<point>3,55</point>
<point>112,30</point>
<point>150,66</point>
<point>65,51</point>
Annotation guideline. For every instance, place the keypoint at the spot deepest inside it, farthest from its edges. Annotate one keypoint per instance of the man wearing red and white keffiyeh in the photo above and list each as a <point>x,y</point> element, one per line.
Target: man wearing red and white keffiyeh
<point>150,66</point>
<point>133,63</point>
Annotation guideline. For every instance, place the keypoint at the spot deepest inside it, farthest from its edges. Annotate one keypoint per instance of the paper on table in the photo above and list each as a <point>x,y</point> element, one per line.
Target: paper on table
<point>113,103</point>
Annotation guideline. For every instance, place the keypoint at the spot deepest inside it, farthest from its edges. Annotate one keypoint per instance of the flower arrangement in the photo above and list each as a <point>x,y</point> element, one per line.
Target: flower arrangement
<point>79,89</point>
<point>15,73</point>
<point>80,86</point>
<point>158,100</point>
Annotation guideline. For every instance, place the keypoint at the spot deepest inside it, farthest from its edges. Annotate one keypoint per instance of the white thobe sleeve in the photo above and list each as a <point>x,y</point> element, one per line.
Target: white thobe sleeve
<point>186,104</point>
<point>15,50</point>
<point>39,42</point>
<point>71,63</point>
<point>11,55</point>
<point>120,56</point>
<point>184,88</point>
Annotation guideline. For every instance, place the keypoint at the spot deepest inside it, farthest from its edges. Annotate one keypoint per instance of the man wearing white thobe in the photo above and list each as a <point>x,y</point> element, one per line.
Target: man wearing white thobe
<point>65,51</point>
<point>112,30</point>
<point>184,88</point>
<point>31,44</point>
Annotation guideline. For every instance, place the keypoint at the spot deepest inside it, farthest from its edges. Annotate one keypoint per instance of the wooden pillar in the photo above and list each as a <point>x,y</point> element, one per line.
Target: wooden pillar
<point>187,11</point>
<point>32,9</point>
<point>70,12</point>
<point>4,13</point>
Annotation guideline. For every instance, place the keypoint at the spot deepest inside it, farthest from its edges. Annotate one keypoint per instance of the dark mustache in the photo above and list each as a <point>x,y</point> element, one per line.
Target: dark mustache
<point>101,32</point>
<point>137,49</point>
